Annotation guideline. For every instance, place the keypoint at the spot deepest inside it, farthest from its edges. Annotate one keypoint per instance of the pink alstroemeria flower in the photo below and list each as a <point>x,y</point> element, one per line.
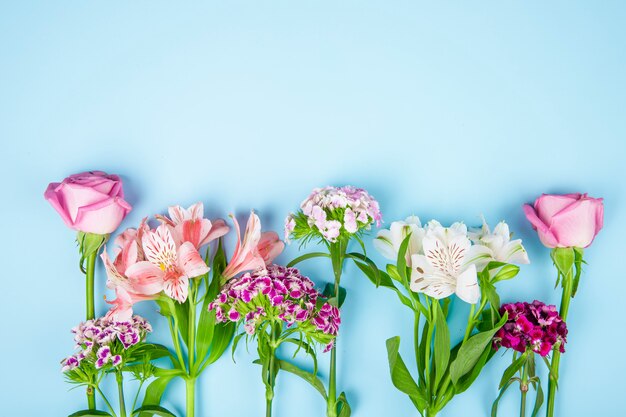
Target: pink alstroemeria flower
<point>167,267</point>
<point>255,250</point>
<point>189,225</point>
<point>122,309</point>
<point>128,252</point>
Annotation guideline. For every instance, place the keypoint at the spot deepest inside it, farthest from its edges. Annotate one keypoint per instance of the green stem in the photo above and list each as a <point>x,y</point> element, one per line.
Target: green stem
<point>190,392</point>
<point>106,401</point>
<point>137,394</point>
<point>556,354</point>
<point>416,335</point>
<point>470,323</point>
<point>174,333</point>
<point>337,254</point>
<point>90,313</point>
<point>190,383</point>
<point>524,388</point>
<point>272,370</point>
<point>120,391</point>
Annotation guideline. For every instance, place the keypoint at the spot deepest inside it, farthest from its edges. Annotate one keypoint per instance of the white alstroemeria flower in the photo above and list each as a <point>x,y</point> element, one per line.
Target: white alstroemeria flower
<point>388,241</point>
<point>498,246</point>
<point>444,268</point>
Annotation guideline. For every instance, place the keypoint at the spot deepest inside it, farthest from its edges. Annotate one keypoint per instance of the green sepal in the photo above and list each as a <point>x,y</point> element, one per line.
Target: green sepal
<point>578,264</point>
<point>88,244</point>
<point>563,259</point>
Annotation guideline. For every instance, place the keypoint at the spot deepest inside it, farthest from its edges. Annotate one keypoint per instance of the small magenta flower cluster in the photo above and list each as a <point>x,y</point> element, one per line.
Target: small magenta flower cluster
<point>103,341</point>
<point>534,326</point>
<point>331,210</point>
<point>278,293</point>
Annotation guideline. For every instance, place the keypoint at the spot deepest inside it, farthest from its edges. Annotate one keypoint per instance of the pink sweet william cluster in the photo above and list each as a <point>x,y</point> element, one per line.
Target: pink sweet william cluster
<point>104,341</point>
<point>535,326</point>
<point>329,211</point>
<point>277,293</point>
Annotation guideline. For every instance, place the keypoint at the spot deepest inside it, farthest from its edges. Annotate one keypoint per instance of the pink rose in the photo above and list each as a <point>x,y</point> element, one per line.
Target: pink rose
<point>91,202</point>
<point>569,220</point>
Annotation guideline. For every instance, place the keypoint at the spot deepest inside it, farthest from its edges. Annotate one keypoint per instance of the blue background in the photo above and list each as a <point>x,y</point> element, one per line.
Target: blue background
<point>446,110</point>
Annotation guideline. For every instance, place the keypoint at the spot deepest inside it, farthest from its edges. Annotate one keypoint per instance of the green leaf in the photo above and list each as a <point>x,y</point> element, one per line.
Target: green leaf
<point>154,410</point>
<point>385,281</point>
<point>154,392</point>
<point>494,407</point>
<point>89,413</point>
<point>401,261</point>
<point>329,293</point>
<point>489,290</point>
<point>442,344</point>
<point>236,343</point>
<point>219,263</point>
<point>206,329</point>
<point>538,399</point>
<point>307,376</point>
<point>421,353</point>
<point>222,336</point>
<point>400,375</point>
<point>512,369</point>
<point>508,271</point>
<point>468,379</point>
<point>181,310</point>
<point>307,348</point>
<point>362,258</point>
<point>470,352</point>
<point>343,408</point>
<point>551,373</point>
<point>307,256</point>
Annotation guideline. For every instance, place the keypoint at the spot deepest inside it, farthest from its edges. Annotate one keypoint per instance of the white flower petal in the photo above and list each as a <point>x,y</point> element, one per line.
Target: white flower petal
<point>467,285</point>
<point>384,245</point>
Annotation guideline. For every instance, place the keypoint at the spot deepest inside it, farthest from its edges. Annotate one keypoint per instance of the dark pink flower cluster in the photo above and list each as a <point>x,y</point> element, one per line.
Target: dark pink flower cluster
<point>277,293</point>
<point>534,326</point>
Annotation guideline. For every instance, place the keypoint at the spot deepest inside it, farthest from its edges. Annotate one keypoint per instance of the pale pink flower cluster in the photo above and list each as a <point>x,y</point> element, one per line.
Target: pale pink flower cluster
<point>103,341</point>
<point>331,210</point>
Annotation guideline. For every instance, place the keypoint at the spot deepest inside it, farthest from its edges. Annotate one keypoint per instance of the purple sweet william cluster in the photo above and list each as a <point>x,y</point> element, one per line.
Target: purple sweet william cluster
<point>331,210</point>
<point>534,326</point>
<point>277,293</point>
<point>103,341</point>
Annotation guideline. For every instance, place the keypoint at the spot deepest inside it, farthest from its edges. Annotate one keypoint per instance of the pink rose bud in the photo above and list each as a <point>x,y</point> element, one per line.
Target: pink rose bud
<point>90,202</point>
<point>569,220</point>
